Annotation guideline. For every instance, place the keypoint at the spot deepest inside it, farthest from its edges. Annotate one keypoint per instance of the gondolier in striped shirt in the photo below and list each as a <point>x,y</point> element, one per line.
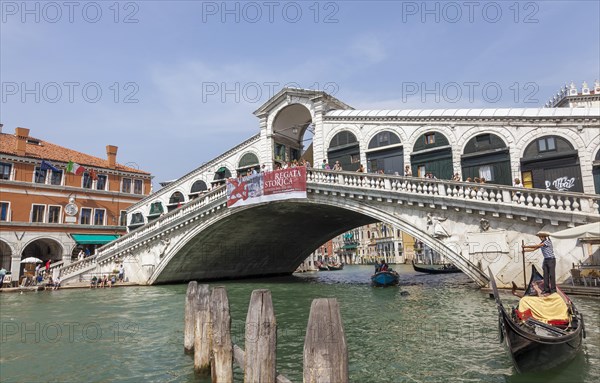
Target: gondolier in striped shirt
<point>549,264</point>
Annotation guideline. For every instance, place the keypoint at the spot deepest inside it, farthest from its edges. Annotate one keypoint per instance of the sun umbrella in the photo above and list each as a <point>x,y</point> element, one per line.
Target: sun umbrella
<point>32,260</point>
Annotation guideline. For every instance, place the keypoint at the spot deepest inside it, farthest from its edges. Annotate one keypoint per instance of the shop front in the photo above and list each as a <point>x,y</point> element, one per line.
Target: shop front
<point>385,154</point>
<point>487,156</point>
<point>432,154</point>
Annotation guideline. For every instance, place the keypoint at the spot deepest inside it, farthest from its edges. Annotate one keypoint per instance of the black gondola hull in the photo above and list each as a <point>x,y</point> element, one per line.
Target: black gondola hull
<point>531,352</point>
<point>432,270</point>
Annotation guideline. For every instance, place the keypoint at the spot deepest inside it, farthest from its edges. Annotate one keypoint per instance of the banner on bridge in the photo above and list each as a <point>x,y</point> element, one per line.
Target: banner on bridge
<point>267,186</point>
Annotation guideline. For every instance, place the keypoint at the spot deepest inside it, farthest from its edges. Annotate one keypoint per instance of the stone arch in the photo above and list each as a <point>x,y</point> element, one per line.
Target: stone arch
<point>198,186</point>
<point>567,134</point>
<point>248,159</point>
<point>432,161</point>
<point>371,133</point>
<point>491,161</point>
<point>6,253</point>
<point>44,248</point>
<point>289,127</point>
<point>387,158</point>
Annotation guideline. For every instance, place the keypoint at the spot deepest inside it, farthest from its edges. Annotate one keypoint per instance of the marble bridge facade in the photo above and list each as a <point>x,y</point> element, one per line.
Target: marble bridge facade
<point>185,231</point>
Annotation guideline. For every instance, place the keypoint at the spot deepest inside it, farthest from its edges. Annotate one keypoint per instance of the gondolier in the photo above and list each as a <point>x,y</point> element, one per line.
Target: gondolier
<point>549,264</point>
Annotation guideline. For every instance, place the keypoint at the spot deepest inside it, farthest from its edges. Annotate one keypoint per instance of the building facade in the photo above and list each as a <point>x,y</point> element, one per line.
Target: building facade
<point>57,201</point>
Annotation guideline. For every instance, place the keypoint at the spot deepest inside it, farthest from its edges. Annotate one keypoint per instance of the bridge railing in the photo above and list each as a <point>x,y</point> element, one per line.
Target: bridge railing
<point>130,238</point>
<point>492,193</point>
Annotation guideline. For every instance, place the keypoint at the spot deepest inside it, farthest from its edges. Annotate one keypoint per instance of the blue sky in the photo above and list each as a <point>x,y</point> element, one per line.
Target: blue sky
<point>179,80</point>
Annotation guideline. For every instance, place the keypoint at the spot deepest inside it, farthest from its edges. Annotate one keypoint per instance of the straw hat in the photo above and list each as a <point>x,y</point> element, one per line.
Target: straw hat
<point>543,234</point>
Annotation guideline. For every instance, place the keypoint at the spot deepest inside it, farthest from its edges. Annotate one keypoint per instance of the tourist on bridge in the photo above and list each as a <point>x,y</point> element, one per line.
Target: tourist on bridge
<point>407,171</point>
<point>337,167</point>
<point>361,168</point>
<point>549,264</point>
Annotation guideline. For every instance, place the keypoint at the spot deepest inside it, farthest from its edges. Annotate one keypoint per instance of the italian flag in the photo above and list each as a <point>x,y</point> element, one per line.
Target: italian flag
<point>74,168</point>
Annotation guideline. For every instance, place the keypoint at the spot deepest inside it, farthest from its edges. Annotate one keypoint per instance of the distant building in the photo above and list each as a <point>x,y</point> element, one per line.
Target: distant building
<point>571,97</point>
<point>55,201</point>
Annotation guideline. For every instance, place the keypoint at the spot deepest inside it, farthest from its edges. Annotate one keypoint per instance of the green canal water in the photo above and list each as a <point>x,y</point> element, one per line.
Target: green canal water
<point>430,329</point>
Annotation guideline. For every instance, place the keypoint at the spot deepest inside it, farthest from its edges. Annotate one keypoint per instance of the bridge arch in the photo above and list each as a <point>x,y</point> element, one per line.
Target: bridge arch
<point>289,126</point>
<point>6,253</point>
<point>242,239</point>
<point>44,248</point>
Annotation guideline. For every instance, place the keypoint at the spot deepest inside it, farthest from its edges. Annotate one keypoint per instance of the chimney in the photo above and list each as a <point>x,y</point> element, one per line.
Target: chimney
<point>111,153</point>
<point>22,135</point>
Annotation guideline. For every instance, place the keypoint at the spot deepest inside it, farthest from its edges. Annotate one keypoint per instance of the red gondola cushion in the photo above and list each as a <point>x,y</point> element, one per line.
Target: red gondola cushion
<point>559,323</point>
<point>523,315</point>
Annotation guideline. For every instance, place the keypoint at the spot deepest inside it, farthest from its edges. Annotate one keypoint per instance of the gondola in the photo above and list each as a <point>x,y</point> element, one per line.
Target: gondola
<point>385,278</point>
<point>337,266</point>
<point>534,345</point>
<point>436,269</point>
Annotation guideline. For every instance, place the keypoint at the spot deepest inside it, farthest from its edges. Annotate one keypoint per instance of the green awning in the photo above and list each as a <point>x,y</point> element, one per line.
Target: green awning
<point>94,239</point>
<point>351,246</point>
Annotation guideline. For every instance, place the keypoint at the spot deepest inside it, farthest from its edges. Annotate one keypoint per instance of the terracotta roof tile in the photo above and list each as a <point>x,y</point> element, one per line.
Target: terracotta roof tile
<point>52,152</point>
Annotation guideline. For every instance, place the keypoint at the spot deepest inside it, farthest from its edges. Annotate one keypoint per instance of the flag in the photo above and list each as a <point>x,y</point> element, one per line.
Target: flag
<point>48,166</point>
<point>93,175</point>
<point>74,168</point>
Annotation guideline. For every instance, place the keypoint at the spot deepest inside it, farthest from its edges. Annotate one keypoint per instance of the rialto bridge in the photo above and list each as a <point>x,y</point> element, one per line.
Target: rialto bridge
<point>185,231</point>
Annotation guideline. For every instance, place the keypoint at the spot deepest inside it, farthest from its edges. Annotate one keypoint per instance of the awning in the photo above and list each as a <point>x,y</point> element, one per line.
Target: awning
<point>350,246</point>
<point>94,239</point>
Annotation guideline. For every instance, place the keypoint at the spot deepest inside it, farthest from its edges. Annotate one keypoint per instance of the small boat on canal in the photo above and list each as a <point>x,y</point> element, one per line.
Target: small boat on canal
<point>544,331</point>
<point>336,266</point>
<point>385,278</point>
<point>446,268</point>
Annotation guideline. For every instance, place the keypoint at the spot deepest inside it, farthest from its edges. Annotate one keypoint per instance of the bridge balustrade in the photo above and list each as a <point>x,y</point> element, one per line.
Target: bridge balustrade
<point>491,193</point>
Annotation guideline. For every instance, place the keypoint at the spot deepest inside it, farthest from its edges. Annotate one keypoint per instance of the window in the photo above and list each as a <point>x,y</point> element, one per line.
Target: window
<point>546,144</point>
<point>39,176</point>
<point>86,181</point>
<point>5,170</point>
<point>37,213</point>
<point>54,214</point>
<point>123,218</point>
<point>429,138</point>
<point>126,186</point>
<point>56,177</point>
<point>137,186</point>
<point>99,217</point>
<point>101,182</point>
<point>355,158</point>
<point>4,211</point>
<point>421,171</point>
<point>487,172</point>
<point>279,152</point>
<point>86,216</point>
<point>483,139</point>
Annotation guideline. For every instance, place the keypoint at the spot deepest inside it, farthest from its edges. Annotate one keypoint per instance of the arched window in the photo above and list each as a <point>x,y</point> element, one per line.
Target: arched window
<point>487,156</point>
<point>221,176</point>
<point>156,209</point>
<point>248,160</point>
<point>551,162</point>
<point>197,188</point>
<point>175,201</point>
<point>385,138</point>
<point>137,220</point>
<point>432,154</point>
<point>383,158</point>
<point>344,148</point>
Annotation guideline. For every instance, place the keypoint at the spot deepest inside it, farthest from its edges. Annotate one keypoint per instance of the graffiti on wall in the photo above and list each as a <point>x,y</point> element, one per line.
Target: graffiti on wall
<point>561,183</point>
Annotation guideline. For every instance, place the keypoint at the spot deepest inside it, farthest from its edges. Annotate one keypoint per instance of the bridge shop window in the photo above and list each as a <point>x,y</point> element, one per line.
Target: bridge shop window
<point>343,147</point>
<point>248,162</point>
<point>221,176</point>
<point>385,154</point>
<point>434,157</point>
<point>5,171</point>
<point>137,220</point>
<point>487,156</point>
<point>198,188</point>
<point>156,209</point>
<point>175,201</point>
<point>551,163</point>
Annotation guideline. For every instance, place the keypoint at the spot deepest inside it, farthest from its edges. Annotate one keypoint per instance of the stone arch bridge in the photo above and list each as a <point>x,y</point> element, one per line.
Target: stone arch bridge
<point>473,228</point>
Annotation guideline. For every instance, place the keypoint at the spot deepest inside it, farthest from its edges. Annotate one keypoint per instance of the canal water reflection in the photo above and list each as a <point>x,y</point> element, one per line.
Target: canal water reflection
<point>430,329</point>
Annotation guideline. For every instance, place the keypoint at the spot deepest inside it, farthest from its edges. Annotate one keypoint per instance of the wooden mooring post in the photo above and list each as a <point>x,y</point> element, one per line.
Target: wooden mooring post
<point>189,318</point>
<point>202,341</point>
<point>325,348</point>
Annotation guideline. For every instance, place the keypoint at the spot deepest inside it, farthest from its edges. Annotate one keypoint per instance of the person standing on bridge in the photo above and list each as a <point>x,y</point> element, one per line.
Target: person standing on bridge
<point>549,264</point>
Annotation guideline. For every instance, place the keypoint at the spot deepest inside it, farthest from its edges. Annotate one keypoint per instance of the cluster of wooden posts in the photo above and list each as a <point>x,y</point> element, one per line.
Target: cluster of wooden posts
<point>207,333</point>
